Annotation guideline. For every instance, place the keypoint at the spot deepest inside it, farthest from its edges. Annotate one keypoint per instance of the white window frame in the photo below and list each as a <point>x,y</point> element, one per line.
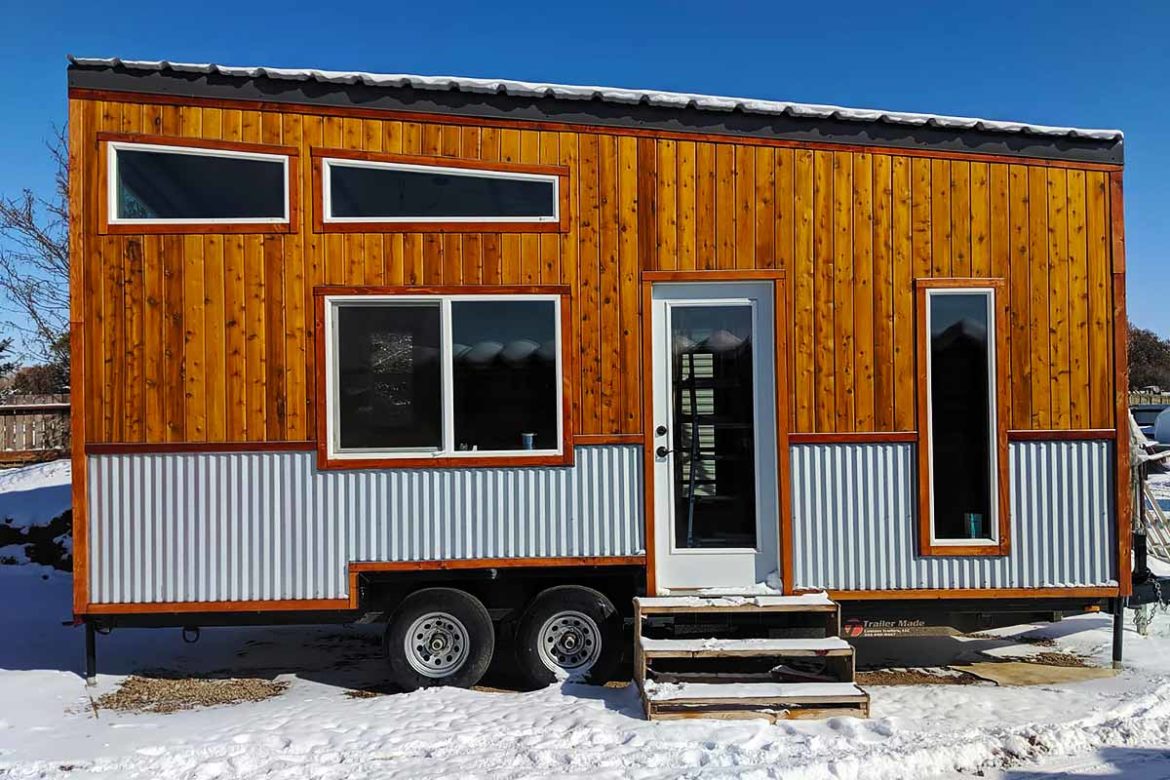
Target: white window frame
<point>328,163</point>
<point>333,303</point>
<point>992,419</point>
<point>113,147</point>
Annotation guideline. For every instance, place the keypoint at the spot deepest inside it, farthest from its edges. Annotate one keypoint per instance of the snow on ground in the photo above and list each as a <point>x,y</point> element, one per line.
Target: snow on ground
<point>34,494</point>
<point>1118,726</point>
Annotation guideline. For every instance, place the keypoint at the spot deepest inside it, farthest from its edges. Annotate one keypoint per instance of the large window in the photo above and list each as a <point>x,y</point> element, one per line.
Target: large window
<point>959,427</point>
<point>444,377</point>
<point>402,192</point>
<point>155,184</point>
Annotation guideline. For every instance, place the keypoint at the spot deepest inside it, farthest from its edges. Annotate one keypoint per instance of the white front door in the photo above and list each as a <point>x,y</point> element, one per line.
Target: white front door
<point>716,522</point>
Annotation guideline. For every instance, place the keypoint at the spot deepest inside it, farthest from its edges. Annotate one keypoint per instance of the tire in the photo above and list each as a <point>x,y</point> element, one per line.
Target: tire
<point>568,632</point>
<point>451,640</point>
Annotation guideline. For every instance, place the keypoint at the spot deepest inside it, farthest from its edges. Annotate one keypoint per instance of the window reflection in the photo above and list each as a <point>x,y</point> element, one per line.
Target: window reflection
<point>960,415</point>
<point>389,377</point>
<point>712,387</point>
<point>389,193</point>
<point>174,185</point>
<point>504,368</point>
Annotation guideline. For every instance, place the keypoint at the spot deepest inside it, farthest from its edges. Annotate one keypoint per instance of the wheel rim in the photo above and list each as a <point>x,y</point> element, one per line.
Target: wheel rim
<point>436,645</point>
<point>569,642</point>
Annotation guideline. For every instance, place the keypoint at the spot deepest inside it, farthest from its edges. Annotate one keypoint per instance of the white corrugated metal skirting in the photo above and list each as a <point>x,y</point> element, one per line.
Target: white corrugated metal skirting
<point>170,527</point>
<point>855,520</point>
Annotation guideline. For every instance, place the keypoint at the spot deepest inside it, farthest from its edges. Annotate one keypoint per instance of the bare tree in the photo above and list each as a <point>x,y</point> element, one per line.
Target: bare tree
<point>34,261</point>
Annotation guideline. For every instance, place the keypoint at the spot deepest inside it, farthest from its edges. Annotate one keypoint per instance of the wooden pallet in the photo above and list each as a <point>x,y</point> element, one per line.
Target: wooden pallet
<point>745,677</point>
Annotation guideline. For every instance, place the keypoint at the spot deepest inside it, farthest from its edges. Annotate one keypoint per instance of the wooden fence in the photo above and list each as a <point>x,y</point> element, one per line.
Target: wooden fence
<point>33,428</point>
<point>1136,398</point>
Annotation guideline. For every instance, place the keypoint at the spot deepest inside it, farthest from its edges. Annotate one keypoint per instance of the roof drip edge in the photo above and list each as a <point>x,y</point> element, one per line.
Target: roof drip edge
<point>618,95</point>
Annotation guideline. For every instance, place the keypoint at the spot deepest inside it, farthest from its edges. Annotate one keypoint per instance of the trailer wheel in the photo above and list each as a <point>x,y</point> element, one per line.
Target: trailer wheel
<point>568,631</point>
<point>439,636</point>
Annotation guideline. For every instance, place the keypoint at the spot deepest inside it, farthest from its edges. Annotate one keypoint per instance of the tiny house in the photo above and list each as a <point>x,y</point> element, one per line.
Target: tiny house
<point>489,359</point>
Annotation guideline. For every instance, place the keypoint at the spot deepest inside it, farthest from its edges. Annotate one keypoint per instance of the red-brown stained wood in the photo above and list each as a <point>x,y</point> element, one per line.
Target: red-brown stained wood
<point>940,218</point>
<point>883,293</point>
<point>724,206</point>
<point>824,338</point>
<point>803,275</point>
<point>1058,298</point>
<point>1019,262</point>
<point>863,294</point>
<point>903,295</point>
<point>208,338</point>
<point>1100,344</point>
<point>844,270</point>
<point>1038,329</point>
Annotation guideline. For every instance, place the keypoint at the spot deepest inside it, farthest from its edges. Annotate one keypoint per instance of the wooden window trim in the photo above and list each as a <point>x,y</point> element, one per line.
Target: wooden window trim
<point>926,546</point>
<point>292,184</point>
<point>327,461</point>
<point>318,156</point>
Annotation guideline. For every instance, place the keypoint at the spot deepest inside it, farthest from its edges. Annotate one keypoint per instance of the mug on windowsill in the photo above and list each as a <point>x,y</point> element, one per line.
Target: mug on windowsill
<point>528,441</point>
<point>974,523</point>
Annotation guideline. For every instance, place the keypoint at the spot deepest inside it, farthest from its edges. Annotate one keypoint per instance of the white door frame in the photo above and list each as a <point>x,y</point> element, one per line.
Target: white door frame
<point>716,568</point>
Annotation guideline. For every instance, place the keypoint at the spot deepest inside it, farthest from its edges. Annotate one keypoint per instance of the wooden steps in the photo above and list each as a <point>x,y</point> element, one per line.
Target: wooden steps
<point>745,648</point>
<point>667,605</point>
<point>771,657</point>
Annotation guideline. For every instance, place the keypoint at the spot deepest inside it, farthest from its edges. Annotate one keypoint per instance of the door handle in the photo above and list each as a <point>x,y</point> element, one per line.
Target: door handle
<point>661,452</point>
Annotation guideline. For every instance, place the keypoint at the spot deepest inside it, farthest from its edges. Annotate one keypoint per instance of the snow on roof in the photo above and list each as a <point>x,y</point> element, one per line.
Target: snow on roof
<point>606,94</point>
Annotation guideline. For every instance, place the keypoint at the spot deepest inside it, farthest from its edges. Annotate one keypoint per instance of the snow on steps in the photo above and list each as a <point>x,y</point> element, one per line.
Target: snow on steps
<point>753,692</point>
<point>720,677</point>
<point>740,701</point>
<point>805,602</point>
<point>711,647</point>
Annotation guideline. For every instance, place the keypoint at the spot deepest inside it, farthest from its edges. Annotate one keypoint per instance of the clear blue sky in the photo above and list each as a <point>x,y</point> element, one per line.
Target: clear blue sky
<point>1089,64</point>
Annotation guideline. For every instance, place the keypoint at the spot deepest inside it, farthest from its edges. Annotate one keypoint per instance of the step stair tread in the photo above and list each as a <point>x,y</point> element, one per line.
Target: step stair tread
<point>686,648</point>
<point>805,602</point>
<point>770,693</point>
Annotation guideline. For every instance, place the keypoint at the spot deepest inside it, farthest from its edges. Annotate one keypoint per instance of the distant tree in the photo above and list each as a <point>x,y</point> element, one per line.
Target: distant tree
<point>34,262</point>
<point>7,364</point>
<point>1149,359</point>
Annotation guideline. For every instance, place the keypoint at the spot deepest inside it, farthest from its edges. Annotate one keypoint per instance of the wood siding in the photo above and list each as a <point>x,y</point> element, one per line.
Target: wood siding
<point>209,338</point>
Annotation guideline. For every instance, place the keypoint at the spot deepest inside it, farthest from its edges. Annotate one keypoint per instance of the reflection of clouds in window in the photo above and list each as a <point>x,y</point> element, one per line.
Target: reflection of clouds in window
<point>505,378</point>
<point>502,357</point>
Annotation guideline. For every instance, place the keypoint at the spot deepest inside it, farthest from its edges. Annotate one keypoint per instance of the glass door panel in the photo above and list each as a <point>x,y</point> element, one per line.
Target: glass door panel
<point>713,411</point>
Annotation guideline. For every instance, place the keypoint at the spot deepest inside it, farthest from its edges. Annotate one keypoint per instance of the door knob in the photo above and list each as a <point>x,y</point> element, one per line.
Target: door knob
<point>661,452</point>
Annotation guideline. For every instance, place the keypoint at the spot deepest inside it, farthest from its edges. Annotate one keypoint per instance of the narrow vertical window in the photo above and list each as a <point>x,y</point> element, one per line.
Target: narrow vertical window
<point>961,475</point>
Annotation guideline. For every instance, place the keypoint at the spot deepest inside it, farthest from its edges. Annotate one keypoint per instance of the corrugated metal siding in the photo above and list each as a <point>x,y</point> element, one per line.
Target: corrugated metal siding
<point>855,526</point>
<point>269,525</point>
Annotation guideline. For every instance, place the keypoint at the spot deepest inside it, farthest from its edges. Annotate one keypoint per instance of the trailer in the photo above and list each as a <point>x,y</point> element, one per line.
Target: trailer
<point>488,360</point>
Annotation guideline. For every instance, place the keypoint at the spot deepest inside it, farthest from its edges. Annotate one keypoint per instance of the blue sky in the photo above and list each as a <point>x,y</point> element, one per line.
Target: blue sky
<point>1080,63</point>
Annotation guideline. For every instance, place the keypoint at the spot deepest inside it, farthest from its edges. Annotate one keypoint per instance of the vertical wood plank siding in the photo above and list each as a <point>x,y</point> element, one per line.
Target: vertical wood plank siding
<point>855,526</point>
<point>208,338</point>
<point>180,527</point>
